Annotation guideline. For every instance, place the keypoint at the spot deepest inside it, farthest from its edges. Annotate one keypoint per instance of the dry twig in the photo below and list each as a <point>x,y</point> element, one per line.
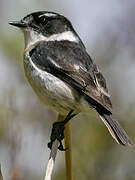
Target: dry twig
<point>51,161</point>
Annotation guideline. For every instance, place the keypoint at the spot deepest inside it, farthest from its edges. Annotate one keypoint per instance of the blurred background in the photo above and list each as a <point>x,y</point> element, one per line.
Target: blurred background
<point>107,28</point>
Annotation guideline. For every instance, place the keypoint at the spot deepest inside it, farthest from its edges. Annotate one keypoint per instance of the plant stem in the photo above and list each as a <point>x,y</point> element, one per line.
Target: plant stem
<point>68,155</point>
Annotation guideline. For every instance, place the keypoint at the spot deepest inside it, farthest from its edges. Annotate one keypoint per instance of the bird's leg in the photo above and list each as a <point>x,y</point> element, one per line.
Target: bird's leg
<point>58,131</point>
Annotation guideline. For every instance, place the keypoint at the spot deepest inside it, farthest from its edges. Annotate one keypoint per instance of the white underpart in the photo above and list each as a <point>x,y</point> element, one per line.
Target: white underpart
<point>48,15</point>
<point>32,37</point>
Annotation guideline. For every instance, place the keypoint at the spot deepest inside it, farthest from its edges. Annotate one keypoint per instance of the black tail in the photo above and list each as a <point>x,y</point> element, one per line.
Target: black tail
<point>115,129</point>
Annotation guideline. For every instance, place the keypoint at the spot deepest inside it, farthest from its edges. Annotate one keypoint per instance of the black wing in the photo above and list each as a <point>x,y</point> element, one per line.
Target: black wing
<point>70,62</point>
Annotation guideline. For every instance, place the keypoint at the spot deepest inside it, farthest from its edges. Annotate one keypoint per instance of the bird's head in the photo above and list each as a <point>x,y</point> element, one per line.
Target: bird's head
<point>47,26</point>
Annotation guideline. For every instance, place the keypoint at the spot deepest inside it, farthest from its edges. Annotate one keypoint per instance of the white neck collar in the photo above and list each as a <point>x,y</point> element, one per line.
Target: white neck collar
<point>32,37</point>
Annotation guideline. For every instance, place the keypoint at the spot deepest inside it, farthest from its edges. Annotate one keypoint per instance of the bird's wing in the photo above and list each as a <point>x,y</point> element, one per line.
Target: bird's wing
<point>71,63</point>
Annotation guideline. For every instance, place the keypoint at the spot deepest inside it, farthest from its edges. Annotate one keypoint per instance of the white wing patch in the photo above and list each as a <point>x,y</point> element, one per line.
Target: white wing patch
<point>53,62</point>
<point>77,67</point>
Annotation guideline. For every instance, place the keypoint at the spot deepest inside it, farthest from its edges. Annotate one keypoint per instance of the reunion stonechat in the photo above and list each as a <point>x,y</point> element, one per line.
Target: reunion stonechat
<point>62,73</point>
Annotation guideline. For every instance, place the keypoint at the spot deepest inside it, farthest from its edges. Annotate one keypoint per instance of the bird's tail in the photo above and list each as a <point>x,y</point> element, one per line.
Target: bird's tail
<point>115,129</point>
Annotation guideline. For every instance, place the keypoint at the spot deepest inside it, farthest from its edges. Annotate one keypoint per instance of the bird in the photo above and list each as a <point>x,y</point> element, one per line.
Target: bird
<point>62,73</point>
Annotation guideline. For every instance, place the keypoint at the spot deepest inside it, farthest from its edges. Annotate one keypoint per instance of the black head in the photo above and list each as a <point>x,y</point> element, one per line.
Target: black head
<point>45,23</point>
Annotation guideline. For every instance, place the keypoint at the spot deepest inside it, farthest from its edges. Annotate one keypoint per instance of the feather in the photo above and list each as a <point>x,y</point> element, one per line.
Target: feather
<point>116,130</point>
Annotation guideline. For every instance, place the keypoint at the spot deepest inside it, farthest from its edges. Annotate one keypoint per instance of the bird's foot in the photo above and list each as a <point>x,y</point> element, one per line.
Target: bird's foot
<point>58,131</point>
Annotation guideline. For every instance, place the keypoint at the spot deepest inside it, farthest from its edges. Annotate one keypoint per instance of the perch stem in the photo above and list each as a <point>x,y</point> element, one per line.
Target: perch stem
<point>68,153</point>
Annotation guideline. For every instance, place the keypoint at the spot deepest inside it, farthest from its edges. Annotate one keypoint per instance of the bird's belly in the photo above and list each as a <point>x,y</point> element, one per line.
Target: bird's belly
<point>51,90</point>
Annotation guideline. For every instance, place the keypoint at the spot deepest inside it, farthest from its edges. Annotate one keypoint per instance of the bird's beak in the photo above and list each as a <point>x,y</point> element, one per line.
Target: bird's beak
<point>19,24</point>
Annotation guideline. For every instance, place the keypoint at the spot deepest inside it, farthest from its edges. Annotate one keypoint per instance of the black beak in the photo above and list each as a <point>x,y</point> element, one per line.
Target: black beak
<point>19,24</point>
